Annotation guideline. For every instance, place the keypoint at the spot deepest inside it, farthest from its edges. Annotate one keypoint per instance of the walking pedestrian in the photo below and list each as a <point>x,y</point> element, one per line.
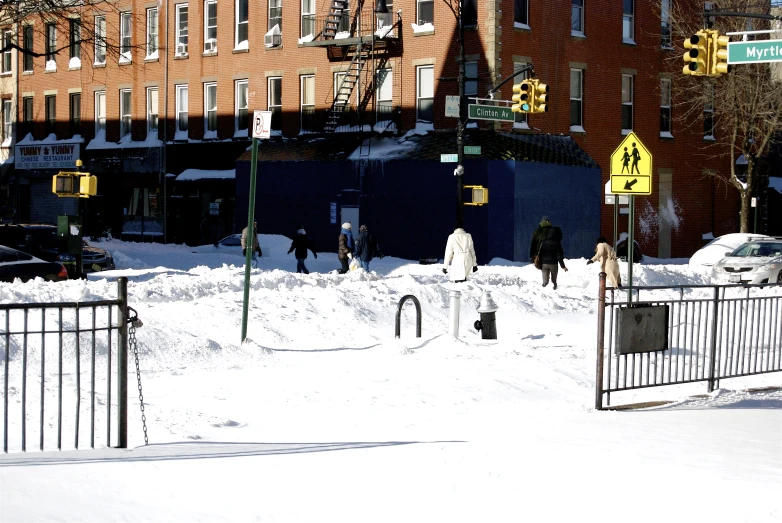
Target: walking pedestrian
<point>608,264</point>
<point>256,248</point>
<point>366,247</point>
<point>551,254</point>
<point>459,255</point>
<point>301,243</point>
<point>346,247</point>
<point>538,237</point>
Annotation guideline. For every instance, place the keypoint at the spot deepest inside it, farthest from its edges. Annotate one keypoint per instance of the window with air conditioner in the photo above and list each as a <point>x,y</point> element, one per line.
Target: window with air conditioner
<point>273,38</point>
<point>275,15</point>
<point>210,26</point>
<point>181,30</point>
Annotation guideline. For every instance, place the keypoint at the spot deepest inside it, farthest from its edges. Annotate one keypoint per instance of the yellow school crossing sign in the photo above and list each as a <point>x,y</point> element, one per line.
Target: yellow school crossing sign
<point>631,167</point>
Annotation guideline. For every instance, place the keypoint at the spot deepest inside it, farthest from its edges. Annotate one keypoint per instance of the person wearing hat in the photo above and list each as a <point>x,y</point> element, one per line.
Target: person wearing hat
<point>538,237</point>
<point>301,243</point>
<point>366,247</point>
<point>346,247</point>
<point>256,245</point>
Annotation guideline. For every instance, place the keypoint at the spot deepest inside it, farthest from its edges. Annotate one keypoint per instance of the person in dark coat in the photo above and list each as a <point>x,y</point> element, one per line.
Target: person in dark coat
<point>301,242</point>
<point>346,247</point>
<point>551,254</point>
<point>366,247</point>
<point>538,237</point>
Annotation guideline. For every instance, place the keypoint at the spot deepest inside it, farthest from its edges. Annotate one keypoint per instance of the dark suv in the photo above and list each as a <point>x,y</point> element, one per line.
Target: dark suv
<point>40,240</point>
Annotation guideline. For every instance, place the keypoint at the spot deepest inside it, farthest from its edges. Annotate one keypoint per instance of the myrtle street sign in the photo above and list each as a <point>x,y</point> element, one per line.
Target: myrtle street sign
<point>489,112</point>
<point>755,52</point>
<point>449,158</point>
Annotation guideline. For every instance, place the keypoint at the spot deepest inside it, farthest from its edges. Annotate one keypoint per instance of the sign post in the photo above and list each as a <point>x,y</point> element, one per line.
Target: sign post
<point>261,129</point>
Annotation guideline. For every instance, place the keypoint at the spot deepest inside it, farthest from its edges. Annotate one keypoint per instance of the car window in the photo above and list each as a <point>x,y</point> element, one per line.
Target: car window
<point>10,255</point>
<point>758,249</point>
<point>46,238</point>
<point>11,236</point>
<point>231,241</point>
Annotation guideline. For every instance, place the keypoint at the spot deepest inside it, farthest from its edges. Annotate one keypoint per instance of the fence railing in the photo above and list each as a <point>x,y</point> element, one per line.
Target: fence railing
<point>70,351</point>
<point>710,333</point>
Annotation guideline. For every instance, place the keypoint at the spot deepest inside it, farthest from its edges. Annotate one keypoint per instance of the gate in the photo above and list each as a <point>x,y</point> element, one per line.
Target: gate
<point>699,333</point>
<point>70,351</point>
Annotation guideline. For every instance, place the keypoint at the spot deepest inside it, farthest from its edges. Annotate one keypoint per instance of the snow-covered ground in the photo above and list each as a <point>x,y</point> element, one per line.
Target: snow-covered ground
<point>323,416</point>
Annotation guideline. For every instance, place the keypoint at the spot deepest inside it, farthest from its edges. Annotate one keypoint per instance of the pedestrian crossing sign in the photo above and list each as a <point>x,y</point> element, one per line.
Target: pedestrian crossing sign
<point>631,167</point>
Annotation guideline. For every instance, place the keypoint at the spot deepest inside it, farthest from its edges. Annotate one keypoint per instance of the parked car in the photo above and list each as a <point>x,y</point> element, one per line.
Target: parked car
<point>756,261</point>
<point>17,264</point>
<point>40,240</point>
<point>716,249</point>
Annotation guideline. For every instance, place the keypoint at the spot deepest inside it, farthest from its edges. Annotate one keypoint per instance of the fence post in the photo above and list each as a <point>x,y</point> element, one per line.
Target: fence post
<point>601,320</point>
<point>122,364</point>
<point>713,349</point>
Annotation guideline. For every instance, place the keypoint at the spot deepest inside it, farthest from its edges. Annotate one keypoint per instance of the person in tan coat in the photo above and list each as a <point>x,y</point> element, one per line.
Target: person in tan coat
<point>608,264</point>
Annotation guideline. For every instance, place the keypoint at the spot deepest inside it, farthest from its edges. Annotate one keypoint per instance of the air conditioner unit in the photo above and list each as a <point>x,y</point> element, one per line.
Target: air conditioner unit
<point>272,40</point>
<point>210,46</point>
<point>181,49</point>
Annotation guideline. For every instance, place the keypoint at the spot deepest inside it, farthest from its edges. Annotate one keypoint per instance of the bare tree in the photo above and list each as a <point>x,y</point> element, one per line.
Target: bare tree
<point>742,110</point>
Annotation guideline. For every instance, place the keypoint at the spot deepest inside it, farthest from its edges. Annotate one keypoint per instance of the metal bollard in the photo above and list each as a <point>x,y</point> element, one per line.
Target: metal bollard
<point>454,315</point>
<point>487,324</point>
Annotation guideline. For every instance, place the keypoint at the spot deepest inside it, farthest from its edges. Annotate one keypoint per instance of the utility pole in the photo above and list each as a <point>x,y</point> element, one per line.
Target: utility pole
<point>461,124</point>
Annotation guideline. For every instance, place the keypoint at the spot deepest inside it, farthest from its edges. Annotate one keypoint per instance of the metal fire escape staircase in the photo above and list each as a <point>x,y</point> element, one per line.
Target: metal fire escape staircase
<point>345,89</point>
<point>334,18</point>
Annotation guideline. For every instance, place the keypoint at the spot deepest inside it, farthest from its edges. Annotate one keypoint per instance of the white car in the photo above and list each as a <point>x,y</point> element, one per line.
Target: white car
<point>756,261</point>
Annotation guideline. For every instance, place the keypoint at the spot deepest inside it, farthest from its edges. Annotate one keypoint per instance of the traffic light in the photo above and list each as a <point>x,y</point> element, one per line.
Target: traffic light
<point>697,60</point>
<point>719,53</point>
<point>540,98</point>
<point>74,184</point>
<point>522,93</point>
<point>480,195</point>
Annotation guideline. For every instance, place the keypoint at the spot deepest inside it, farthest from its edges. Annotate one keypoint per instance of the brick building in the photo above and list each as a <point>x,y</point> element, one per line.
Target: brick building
<point>174,87</point>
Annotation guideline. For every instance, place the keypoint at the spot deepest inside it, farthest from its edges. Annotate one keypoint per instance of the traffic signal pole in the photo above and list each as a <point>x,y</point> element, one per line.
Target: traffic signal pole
<point>460,126</point>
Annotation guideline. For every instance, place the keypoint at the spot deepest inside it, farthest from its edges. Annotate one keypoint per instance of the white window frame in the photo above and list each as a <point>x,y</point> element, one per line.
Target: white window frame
<point>521,20</point>
<point>181,110</point>
<point>210,107</point>
<point>8,121</point>
<point>153,23</point>
<point>418,94</point>
<point>577,18</point>
<point>210,44</point>
<point>275,5</point>
<point>418,18</point>
<point>50,40</point>
<point>125,113</point>
<point>182,32</point>
<point>153,107</point>
<point>125,38</point>
<point>270,106</point>
<point>666,35</point>
<point>100,111</point>
<point>628,23</point>
<point>384,94</point>
<point>74,38</point>
<point>627,100</point>
<point>665,105</point>
<point>238,87</point>
<point>7,62</point>
<point>100,40</point>
<point>308,8</point>
<point>577,97</point>
<point>471,71</point>
<point>303,79</point>
<point>520,120</point>
<point>241,44</point>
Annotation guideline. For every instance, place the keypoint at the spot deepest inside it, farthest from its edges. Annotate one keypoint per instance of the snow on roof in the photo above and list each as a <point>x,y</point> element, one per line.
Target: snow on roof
<point>382,149</point>
<point>191,175</point>
<point>52,138</point>
<point>99,142</point>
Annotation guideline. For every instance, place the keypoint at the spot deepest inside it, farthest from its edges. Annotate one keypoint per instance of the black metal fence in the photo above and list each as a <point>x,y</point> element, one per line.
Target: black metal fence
<point>707,333</point>
<point>60,360</point>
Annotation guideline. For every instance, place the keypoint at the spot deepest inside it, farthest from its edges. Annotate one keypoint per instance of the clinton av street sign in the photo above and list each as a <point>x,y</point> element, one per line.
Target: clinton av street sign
<point>755,52</point>
<point>490,112</point>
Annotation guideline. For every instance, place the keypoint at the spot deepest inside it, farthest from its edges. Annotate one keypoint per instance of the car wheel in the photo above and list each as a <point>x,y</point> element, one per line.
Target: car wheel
<point>779,277</point>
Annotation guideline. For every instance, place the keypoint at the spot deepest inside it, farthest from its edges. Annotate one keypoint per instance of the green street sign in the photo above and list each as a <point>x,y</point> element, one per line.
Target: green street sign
<point>472,149</point>
<point>449,158</point>
<point>755,52</point>
<point>489,112</point>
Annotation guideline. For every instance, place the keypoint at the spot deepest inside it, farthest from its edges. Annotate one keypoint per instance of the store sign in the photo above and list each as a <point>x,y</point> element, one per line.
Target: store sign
<point>46,156</point>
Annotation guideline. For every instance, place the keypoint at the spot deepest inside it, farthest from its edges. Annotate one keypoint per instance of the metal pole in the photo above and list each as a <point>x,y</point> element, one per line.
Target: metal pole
<point>630,227</point>
<point>454,314</point>
<point>714,334</point>
<point>601,320</point>
<point>460,126</point>
<point>250,239</point>
<point>616,218</point>
<point>122,364</point>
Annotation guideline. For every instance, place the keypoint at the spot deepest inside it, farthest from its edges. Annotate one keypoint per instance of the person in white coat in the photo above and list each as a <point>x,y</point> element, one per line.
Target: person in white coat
<point>608,264</point>
<point>460,255</point>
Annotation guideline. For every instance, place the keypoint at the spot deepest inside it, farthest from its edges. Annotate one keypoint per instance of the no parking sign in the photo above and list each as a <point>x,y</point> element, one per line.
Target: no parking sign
<point>262,124</point>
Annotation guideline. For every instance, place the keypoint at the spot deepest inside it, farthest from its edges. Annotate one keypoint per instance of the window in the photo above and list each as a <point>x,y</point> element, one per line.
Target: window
<point>152,30</point>
<point>6,52</point>
<point>152,112</point>
<point>340,97</point>
<point>307,103</point>
<point>275,14</point>
<point>100,40</point>
<point>8,122</point>
<point>181,30</point>
<point>125,37</point>
<point>242,118</point>
<point>307,17</point>
<point>425,94</point>
<point>627,103</point>
<point>51,41</point>
<point>386,19</point>
<point>470,71</point>
<point>210,110</point>
<point>74,116</point>
<point>274,102</point>
<point>51,113</point>
<point>100,111</point>
<point>577,100</point>
<point>74,39</point>
<point>181,111</point>
<point>708,112</point>
<point>520,119</point>
<point>577,18</point>
<point>124,113</point>
<point>521,13</point>
<point>344,20</point>
<point>628,31</point>
<point>242,18</point>
<point>665,107</point>
<point>425,12</point>
<point>470,12</point>
<point>27,43</point>
<point>27,115</point>
<point>385,95</point>
<point>665,24</point>
<point>210,26</point>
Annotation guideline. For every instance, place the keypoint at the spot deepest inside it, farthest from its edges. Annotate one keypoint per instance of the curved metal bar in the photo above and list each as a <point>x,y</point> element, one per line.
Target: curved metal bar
<point>398,329</point>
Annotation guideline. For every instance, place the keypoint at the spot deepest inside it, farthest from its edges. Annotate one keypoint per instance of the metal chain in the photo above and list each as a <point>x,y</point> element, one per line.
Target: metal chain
<point>133,345</point>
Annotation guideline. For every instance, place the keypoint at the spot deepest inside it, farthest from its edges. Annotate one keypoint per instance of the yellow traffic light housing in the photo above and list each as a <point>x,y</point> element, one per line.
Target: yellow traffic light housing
<point>74,184</point>
<point>697,60</point>
<point>719,53</point>
<point>540,103</point>
<point>480,195</point>
<point>522,94</point>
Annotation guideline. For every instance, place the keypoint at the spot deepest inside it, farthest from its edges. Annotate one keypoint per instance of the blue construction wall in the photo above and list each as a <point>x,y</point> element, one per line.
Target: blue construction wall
<point>410,205</point>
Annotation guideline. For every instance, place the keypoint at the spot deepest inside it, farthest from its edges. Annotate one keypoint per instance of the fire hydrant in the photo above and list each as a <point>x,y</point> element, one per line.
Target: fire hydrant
<point>487,324</point>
